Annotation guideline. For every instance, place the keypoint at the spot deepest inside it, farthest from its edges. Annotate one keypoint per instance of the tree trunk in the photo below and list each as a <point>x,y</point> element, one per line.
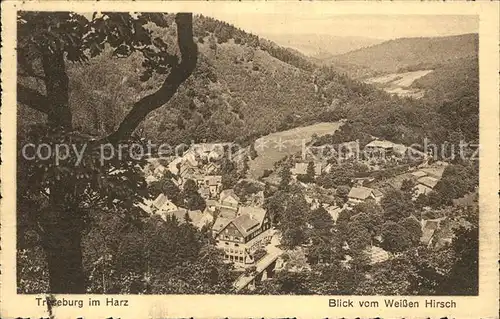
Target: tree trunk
<point>57,87</point>
<point>63,227</point>
<point>64,258</point>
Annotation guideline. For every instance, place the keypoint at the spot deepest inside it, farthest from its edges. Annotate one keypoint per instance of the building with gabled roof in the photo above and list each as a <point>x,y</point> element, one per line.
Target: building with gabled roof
<point>425,185</point>
<point>163,204</point>
<point>211,184</point>
<point>419,174</point>
<point>360,194</point>
<point>429,227</point>
<point>211,168</point>
<point>228,198</point>
<point>428,181</point>
<point>333,211</point>
<point>219,224</point>
<point>243,235</point>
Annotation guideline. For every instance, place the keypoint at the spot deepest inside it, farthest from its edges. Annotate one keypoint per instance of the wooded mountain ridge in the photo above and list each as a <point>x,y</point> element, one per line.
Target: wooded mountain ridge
<point>245,86</point>
<point>408,54</point>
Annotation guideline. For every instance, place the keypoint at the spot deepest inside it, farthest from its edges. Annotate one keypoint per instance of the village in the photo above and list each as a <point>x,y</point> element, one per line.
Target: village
<point>246,232</point>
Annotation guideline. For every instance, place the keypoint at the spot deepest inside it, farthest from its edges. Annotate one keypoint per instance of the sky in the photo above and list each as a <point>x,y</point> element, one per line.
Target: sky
<point>371,26</point>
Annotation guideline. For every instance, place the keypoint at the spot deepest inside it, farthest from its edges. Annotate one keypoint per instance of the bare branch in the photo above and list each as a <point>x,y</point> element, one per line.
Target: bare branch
<point>178,74</point>
<point>32,98</point>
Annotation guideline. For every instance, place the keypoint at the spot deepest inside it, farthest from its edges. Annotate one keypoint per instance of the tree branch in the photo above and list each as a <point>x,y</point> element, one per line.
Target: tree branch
<point>178,74</point>
<point>32,98</point>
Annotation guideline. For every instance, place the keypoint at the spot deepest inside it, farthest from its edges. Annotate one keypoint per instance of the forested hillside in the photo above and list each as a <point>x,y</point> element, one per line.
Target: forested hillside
<point>242,86</point>
<point>408,54</point>
<point>245,86</point>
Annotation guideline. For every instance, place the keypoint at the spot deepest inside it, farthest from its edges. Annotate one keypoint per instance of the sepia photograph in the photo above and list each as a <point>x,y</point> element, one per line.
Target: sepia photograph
<point>181,153</point>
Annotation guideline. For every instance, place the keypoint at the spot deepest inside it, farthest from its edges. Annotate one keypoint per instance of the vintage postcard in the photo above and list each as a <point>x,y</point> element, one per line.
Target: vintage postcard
<point>249,159</point>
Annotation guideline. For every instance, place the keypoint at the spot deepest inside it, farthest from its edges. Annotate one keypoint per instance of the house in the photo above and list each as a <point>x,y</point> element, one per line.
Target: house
<point>211,168</point>
<point>174,165</point>
<point>419,174</point>
<point>191,158</point>
<point>187,171</point>
<point>348,150</point>
<point>379,148</point>
<point>360,181</point>
<point>229,199</point>
<point>256,199</point>
<point>429,228</point>
<point>299,169</point>
<point>219,224</point>
<point>243,235</point>
<point>425,185</point>
<point>333,211</point>
<point>211,204</point>
<point>435,171</point>
<point>208,151</point>
<point>212,183</point>
<point>145,206</point>
<point>204,192</point>
<point>360,194</point>
<point>327,168</point>
<point>163,204</point>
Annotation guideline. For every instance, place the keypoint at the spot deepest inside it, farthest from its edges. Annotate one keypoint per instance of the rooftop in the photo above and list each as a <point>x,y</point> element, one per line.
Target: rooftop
<point>360,192</point>
<point>228,192</point>
<point>428,181</point>
<point>419,174</point>
<point>256,213</point>
<point>213,179</point>
<point>220,223</point>
<point>245,223</point>
<point>160,201</point>
<point>380,144</point>
<point>434,171</point>
<point>227,212</point>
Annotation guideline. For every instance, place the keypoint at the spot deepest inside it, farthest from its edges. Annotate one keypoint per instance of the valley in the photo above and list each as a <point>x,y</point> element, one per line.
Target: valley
<point>400,83</point>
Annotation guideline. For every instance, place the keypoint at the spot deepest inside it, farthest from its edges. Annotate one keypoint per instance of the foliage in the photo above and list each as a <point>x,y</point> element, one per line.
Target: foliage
<point>396,205</point>
<point>457,181</point>
<point>258,254</point>
<point>285,177</point>
<point>393,277</point>
<point>320,219</point>
<point>229,172</point>
<point>339,176</point>
<point>32,272</point>
<point>395,238</point>
<point>167,187</point>
<point>408,188</point>
<point>65,191</point>
<point>292,210</point>
<point>414,229</point>
<point>192,199</point>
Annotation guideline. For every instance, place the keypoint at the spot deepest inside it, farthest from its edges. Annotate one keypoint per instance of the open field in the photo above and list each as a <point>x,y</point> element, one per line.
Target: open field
<point>399,83</point>
<point>405,79</point>
<point>275,146</point>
